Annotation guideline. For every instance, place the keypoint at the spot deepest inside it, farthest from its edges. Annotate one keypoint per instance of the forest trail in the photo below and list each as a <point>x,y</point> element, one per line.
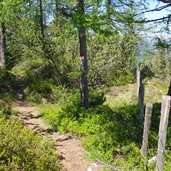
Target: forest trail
<point>71,153</point>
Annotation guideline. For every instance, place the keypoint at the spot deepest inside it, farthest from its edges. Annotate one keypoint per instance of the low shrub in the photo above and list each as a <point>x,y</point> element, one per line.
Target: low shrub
<point>21,149</point>
<point>7,82</point>
<point>38,90</point>
<point>108,135</point>
<point>98,125</point>
<point>123,77</point>
<point>5,108</point>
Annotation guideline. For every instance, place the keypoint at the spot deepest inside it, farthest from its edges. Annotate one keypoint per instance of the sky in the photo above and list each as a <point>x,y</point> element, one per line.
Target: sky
<point>153,15</point>
<point>158,14</point>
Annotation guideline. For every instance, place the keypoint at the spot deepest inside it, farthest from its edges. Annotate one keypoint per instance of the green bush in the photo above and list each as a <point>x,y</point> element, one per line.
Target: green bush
<point>7,81</point>
<point>109,135</point>
<point>99,124</point>
<point>21,149</point>
<point>123,77</point>
<point>5,109</point>
<point>42,91</point>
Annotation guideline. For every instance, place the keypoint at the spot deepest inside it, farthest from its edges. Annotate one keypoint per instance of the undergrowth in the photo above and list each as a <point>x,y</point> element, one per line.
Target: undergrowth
<point>8,84</point>
<point>109,135</point>
<point>40,91</point>
<point>21,149</point>
<point>101,127</point>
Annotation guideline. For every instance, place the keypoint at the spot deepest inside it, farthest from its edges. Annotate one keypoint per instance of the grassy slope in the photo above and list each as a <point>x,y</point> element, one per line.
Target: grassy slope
<point>119,96</point>
<point>95,126</point>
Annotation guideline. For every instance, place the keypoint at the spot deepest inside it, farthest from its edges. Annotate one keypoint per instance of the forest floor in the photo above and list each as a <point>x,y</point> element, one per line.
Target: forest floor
<point>69,148</point>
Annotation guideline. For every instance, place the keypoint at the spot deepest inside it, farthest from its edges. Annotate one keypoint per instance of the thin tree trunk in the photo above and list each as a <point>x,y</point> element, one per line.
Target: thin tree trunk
<point>83,58</point>
<point>41,19</point>
<point>57,8</point>
<point>2,47</point>
<point>109,3</point>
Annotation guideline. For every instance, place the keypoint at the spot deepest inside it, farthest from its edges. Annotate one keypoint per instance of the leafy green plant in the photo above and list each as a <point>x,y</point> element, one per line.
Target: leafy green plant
<point>5,109</point>
<point>42,91</point>
<point>7,81</point>
<point>99,124</point>
<point>21,149</point>
<point>108,134</point>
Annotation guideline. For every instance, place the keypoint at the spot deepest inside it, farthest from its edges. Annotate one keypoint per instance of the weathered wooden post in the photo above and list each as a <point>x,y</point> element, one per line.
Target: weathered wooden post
<point>138,80</point>
<point>141,102</point>
<point>140,95</point>
<point>147,123</point>
<point>165,110</point>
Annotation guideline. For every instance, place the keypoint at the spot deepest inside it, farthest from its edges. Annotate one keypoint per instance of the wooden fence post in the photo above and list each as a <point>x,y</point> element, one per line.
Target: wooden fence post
<point>138,80</point>
<point>147,123</point>
<point>140,95</point>
<point>141,103</point>
<point>165,110</point>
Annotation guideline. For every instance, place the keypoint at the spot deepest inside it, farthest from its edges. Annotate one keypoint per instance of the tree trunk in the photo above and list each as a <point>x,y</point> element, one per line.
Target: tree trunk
<point>109,3</point>
<point>169,90</point>
<point>57,8</point>
<point>83,57</point>
<point>2,47</point>
<point>41,19</point>
<point>57,12</point>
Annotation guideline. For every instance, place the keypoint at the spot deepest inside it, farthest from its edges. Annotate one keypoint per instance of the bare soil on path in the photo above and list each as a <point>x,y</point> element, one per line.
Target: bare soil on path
<point>71,153</point>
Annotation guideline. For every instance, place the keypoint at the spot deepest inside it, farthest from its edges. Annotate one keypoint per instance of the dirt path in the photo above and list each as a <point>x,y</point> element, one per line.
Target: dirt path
<point>69,148</point>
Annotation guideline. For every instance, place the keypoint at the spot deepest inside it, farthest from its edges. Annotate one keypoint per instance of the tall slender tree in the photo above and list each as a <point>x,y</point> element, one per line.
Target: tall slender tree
<point>2,38</point>
<point>41,19</point>
<point>83,55</point>
<point>2,46</point>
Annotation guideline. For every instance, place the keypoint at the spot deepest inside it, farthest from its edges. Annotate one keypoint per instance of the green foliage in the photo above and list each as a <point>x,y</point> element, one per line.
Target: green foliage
<point>7,81</point>
<point>123,77</point>
<point>109,134</point>
<point>47,66</point>
<point>110,60</point>
<point>21,149</point>
<point>158,63</point>
<point>99,125</point>
<point>5,108</point>
<point>42,91</point>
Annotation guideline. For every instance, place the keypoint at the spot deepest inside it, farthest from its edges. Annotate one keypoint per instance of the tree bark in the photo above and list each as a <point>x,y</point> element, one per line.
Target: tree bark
<point>57,8</point>
<point>109,3</point>
<point>57,12</point>
<point>2,47</point>
<point>83,57</point>
<point>41,19</point>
